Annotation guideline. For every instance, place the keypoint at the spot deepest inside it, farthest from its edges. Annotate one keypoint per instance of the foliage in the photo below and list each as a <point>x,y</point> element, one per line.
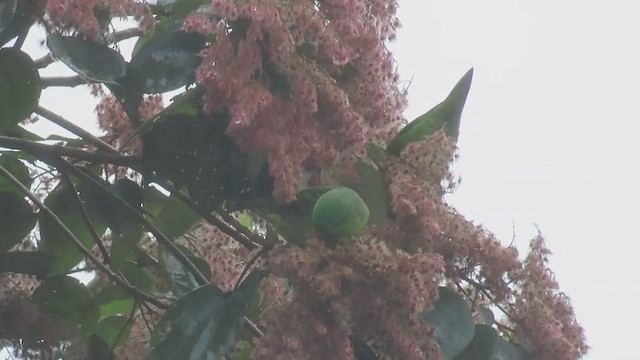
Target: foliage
<point>276,208</point>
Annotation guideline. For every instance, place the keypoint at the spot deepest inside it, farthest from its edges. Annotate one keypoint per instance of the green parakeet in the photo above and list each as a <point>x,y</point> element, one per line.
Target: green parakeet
<point>340,211</point>
<point>445,115</point>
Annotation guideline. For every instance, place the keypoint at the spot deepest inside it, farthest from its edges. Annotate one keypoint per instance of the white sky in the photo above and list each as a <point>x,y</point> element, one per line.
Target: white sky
<point>548,136</point>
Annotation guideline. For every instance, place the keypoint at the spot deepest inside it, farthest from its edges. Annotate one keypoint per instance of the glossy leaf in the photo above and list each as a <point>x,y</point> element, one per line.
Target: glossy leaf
<point>445,115</point>
<point>16,219</point>
<point>35,263</point>
<point>21,20</point>
<point>9,161</point>
<point>19,87</point>
<point>452,322</point>
<point>481,347</point>
<point>54,241</point>
<point>114,330</point>
<point>7,10</point>
<point>183,280</point>
<point>203,323</point>
<point>88,58</point>
<point>166,62</point>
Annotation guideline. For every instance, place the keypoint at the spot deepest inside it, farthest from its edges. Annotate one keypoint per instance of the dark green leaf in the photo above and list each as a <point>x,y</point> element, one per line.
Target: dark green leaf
<point>363,351</point>
<point>90,59</point>
<point>487,315</point>
<point>19,87</point>
<point>16,219</point>
<point>7,10</point>
<point>203,322</point>
<point>113,300</point>
<point>242,351</point>
<point>175,218</point>
<point>114,330</point>
<point>445,115</point>
<point>504,350</point>
<point>54,241</point>
<point>481,347</point>
<point>26,262</point>
<point>373,190</point>
<point>452,321</point>
<point>66,297</point>
<point>183,280</point>
<point>20,22</point>
<point>136,276</point>
<point>9,161</point>
<point>166,62</point>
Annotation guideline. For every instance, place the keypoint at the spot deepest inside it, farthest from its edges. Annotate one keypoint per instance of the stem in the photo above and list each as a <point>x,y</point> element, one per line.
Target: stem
<point>122,283</point>
<point>43,151</point>
<point>87,220</point>
<point>163,239</point>
<point>75,129</point>
<point>65,81</point>
<point>44,61</point>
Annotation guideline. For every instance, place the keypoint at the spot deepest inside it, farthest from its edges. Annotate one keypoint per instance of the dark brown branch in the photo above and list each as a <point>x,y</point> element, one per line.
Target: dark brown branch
<point>66,81</point>
<point>121,282</point>
<point>44,151</point>
<point>75,129</point>
<point>44,61</point>
<point>223,226</point>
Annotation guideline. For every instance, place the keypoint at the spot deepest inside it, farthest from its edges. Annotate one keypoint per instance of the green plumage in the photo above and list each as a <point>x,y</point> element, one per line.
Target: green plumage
<point>340,211</point>
<point>445,115</point>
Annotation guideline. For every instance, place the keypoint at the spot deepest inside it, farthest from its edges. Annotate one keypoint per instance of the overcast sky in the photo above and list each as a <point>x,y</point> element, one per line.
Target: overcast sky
<point>548,136</point>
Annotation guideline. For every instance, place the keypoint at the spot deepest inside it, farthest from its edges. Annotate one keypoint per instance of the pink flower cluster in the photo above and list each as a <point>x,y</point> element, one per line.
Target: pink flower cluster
<point>307,82</point>
<point>90,17</point>
<point>363,290</point>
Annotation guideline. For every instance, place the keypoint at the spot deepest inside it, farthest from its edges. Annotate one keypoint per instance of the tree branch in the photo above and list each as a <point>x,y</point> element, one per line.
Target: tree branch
<point>67,81</point>
<point>121,282</point>
<point>44,151</point>
<point>75,129</point>
<point>44,61</point>
<point>124,34</point>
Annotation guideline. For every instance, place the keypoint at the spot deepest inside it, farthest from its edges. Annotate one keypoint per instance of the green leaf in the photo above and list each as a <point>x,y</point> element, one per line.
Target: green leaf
<point>504,350</point>
<point>114,330</point>
<point>66,297</point>
<point>242,351</point>
<point>452,321</point>
<point>481,347</point>
<point>16,219</point>
<point>175,218</point>
<point>19,87</point>
<point>373,189</point>
<point>445,115</point>
<point>35,263</point>
<point>9,161</point>
<point>90,59</point>
<point>203,323</point>
<point>183,280</point>
<point>362,351</point>
<point>7,10</point>
<point>54,241</point>
<point>113,300</point>
<point>21,20</point>
<point>487,315</point>
<point>166,62</point>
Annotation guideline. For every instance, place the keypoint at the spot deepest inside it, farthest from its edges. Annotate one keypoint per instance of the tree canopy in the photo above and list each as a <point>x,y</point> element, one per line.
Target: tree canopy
<point>276,206</point>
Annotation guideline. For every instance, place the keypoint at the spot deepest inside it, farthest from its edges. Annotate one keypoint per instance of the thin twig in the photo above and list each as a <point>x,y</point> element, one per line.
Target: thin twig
<point>63,81</point>
<point>162,238</point>
<point>44,151</point>
<point>44,61</point>
<point>121,282</point>
<point>223,226</point>
<point>241,228</point>
<point>87,220</point>
<point>118,36</point>
<point>75,129</point>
